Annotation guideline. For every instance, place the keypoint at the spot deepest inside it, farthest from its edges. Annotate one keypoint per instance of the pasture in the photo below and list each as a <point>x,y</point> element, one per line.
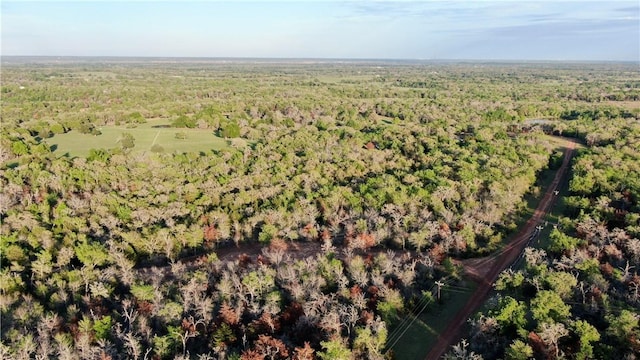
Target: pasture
<point>154,132</point>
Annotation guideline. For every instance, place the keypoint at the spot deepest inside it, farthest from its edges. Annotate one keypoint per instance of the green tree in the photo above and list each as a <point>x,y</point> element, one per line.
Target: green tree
<point>511,315</point>
<point>184,122</point>
<point>369,343</point>
<point>509,280</point>
<point>127,141</point>
<point>165,345</point>
<point>137,118</point>
<point>623,325</point>
<point>562,283</point>
<point>223,336</point>
<point>98,155</point>
<point>561,242</point>
<point>143,292</point>
<point>334,349</point>
<point>267,233</point>
<point>548,307</point>
<point>519,350</point>
<point>102,327</point>
<point>587,334</point>
<point>57,129</point>
<point>19,148</point>
<point>92,254</point>
<point>230,129</point>
<point>257,283</point>
<point>86,127</point>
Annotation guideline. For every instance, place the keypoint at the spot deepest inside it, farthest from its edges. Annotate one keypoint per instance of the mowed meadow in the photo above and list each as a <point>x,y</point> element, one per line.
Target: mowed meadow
<point>156,132</point>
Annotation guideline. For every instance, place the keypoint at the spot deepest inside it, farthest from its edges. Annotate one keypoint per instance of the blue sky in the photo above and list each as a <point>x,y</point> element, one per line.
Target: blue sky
<point>509,30</point>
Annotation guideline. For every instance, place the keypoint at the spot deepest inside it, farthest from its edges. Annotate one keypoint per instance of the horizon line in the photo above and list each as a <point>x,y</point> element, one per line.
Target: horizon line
<point>327,59</point>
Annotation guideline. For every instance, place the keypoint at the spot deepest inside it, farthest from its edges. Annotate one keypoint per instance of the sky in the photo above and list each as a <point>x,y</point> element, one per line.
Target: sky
<point>358,29</point>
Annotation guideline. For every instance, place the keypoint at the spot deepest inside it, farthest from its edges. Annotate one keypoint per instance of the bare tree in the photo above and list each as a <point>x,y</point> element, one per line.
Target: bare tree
<point>189,327</point>
<point>551,333</point>
<point>460,351</point>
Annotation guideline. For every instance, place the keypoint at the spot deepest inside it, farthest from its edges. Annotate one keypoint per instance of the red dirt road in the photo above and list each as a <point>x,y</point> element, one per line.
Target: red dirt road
<point>483,270</point>
<point>486,270</point>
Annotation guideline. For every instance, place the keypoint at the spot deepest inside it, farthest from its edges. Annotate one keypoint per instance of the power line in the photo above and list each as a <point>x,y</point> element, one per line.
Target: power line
<point>423,301</point>
<point>397,334</point>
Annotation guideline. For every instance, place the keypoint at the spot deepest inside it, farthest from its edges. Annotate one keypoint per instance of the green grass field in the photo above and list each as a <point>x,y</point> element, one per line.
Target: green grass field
<point>154,132</point>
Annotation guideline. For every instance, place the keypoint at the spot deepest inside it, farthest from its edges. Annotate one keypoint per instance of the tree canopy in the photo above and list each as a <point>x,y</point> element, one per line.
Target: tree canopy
<point>340,199</point>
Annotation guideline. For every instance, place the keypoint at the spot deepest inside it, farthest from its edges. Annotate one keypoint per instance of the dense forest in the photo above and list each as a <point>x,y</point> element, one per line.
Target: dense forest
<point>332,198</point>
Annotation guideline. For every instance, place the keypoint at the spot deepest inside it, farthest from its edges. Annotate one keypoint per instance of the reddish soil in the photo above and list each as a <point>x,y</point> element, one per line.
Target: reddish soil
<point>486,270</point>
<point>228,253</point>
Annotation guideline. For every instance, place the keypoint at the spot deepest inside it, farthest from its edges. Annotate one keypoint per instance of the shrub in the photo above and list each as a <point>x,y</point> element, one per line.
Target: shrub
<point>230,130</point>
<point>137,118</point>
<point>184,122</point>
<point>157,148</point>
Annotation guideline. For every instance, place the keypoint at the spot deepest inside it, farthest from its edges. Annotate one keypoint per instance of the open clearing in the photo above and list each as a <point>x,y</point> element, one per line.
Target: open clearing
<point>146,135</point>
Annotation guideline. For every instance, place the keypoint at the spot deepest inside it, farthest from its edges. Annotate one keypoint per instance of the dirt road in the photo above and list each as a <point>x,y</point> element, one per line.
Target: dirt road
<point>483,270</point>
<point>486,270</point>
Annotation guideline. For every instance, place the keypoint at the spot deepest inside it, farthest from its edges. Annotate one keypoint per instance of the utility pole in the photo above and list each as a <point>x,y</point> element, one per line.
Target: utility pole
<point>439,284</point>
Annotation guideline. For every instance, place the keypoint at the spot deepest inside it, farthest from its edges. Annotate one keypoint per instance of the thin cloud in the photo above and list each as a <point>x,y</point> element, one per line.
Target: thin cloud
<point>559,29</point>
<point>358,29</point>
<point>632,10</point>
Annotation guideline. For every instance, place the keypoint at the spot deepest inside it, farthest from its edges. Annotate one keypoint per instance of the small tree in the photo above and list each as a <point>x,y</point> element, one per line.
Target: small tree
<point>335,349</point>
<point>102,327</point>
<point>19,148</point>
<point>548,306</point>
<point>157,148</point>
<point>588,334</point>
<point>561,242</point>
<point>127,141</point>
<point>137,118</point>
<point>519,350</point>
<point>511,315</point>
<point>57,129</point>
<point>86,127</point>
<point>183,121</point>
<point>230,130</point>
<point>268,233</point>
